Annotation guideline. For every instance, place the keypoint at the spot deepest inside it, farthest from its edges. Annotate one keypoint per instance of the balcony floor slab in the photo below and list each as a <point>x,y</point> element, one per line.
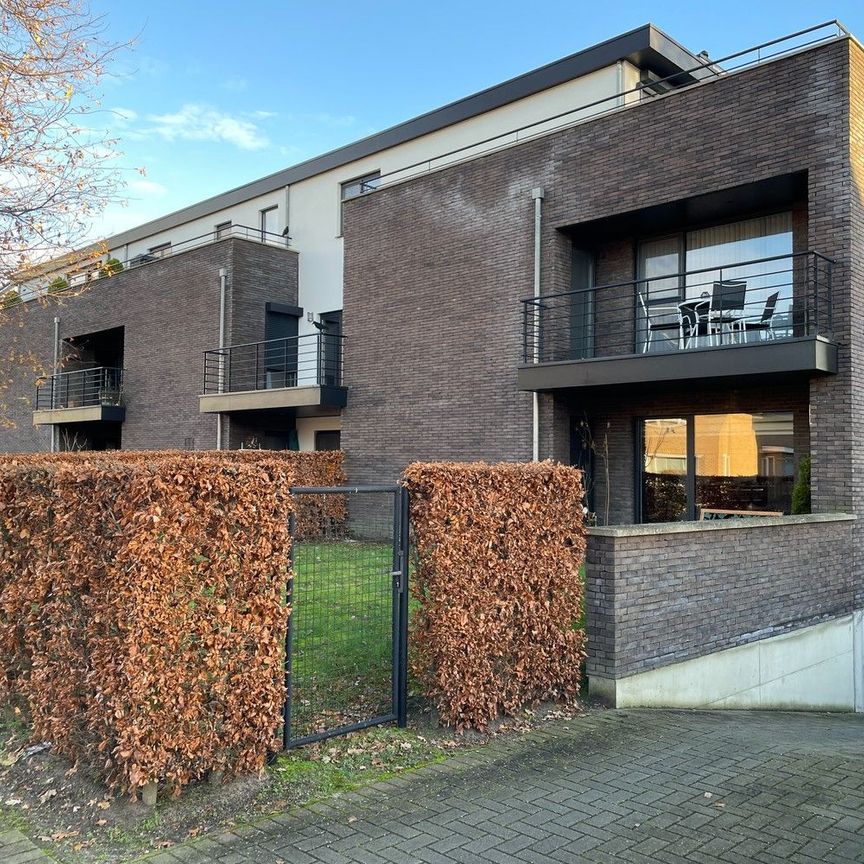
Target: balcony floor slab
<point>81,414</point>
<point>813,354</point>
<point>279,397</point>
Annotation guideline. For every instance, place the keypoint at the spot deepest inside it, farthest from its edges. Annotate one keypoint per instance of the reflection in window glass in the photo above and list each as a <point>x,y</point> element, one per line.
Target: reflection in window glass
<point>744,461</point>
<point>664,471</point>
<point>740,462</point>
<point>720,247</point>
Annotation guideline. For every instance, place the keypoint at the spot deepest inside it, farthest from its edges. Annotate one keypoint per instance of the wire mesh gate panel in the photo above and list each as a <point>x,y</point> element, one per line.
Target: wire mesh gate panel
<point>346,648</point>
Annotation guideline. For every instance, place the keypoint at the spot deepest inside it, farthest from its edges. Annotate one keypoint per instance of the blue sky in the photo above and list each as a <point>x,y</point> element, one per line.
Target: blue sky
<point>206,102</point>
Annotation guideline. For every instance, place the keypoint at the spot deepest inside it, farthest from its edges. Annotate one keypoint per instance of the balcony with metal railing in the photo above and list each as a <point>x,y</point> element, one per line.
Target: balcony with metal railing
<point>771,315</point>
<point>80,396</point>
<point>293,372</point>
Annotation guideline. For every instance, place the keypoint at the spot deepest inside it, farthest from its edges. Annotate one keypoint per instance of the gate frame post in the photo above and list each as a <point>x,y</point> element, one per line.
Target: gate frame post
<point>402,502</point>
<point>289,636</point>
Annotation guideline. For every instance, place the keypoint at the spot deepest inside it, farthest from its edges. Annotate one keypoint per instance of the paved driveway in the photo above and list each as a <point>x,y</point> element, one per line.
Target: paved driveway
<point>635,786</point>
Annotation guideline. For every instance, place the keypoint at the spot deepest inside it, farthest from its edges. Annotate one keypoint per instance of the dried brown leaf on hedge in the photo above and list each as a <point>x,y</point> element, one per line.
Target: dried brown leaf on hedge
<point>499,552</point>
<point>142,613</point>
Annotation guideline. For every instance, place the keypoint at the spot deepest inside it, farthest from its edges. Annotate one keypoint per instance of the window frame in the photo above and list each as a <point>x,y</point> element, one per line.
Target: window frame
<point>222,230</point>
<point>160,250</point>
<point>363,180</point>
<point>262,221</point>
<point>327,432</point>
<point>689,417</point>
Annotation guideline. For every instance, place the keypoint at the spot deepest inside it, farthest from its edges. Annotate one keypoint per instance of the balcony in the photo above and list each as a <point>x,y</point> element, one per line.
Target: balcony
<point>766,316</point>
<point>297,372</point>
<point>81,396</point>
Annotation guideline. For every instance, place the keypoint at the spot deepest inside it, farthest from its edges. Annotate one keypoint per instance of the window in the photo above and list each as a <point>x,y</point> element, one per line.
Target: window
<point>270,224</point>
<point>686,266</point>
<point>732,462</point>
<point>357,187</point>
<point>327,439</point>
<point>223,230</point>
<point>280,350</point>
<point>160,250</point>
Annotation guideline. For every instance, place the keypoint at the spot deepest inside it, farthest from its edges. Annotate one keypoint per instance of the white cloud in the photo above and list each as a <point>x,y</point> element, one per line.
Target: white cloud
<point>147,188</point>
<point>334,121</point>
<point>196,122</point>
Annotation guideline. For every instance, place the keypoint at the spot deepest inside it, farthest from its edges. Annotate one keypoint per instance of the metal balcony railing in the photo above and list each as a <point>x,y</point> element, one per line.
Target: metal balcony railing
<point>82,388</point>
<point>696,74</point>
<point>760,301</point>
<point>296,361</point>
<point>99,270</point>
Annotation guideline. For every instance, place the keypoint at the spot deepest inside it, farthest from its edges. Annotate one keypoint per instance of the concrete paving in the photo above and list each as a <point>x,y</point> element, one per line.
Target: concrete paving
<point>617,786</point>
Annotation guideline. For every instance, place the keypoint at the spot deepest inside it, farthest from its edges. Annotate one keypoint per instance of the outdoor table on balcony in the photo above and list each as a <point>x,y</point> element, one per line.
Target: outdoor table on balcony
<point>713,320</point>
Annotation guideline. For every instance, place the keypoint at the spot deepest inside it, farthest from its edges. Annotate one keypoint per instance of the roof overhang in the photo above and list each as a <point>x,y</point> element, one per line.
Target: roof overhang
<point>646,46</point>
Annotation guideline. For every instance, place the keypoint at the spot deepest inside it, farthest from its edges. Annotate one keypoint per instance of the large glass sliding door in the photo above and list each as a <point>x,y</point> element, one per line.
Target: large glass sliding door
<point>702,264</point>
<point>711,465</point>
<point>658,293</point>
<point>665,470</point>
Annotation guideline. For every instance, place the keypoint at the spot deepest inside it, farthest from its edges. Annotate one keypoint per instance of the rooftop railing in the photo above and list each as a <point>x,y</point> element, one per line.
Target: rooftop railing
<point>694,76</point>
<point>751,302</point>
<point>105,269</point>
<point>312,360</point>
<point>82,388</point>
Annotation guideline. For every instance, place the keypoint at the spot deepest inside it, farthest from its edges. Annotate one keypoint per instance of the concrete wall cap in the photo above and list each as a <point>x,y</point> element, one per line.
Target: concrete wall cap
<point>719,525</point>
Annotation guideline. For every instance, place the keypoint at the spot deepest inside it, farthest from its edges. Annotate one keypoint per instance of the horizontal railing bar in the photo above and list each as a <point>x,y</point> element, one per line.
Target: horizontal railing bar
<point>84,371</point>
<point>684,273</point>
<point>308,336</point>
<point>92,272</point>
<point>343,490</point>
<point>619,98</point>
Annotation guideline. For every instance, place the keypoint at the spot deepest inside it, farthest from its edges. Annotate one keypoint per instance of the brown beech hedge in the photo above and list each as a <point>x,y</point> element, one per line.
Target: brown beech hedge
<point>499,550</point>
<point>316,515</point>
<point>142,619</point>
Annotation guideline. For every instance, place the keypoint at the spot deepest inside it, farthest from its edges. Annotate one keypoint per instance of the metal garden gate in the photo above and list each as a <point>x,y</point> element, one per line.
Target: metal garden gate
<point>346,646</point>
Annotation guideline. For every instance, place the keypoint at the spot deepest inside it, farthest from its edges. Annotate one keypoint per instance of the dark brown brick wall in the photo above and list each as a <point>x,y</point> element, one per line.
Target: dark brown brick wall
<point>612,417</point>
<point>657,599</point>
<point>170,312</point>
<point>435,267</point>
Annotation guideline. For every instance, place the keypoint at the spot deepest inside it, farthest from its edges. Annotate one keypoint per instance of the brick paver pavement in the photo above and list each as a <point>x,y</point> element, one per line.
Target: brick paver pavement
<point>617,786</point>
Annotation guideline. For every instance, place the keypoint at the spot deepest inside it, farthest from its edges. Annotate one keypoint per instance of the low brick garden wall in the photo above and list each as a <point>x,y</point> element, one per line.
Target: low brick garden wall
<point>660,594</point>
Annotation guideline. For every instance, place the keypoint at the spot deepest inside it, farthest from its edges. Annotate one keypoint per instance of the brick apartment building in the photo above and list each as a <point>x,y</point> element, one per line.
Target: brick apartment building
<point>654,275</point>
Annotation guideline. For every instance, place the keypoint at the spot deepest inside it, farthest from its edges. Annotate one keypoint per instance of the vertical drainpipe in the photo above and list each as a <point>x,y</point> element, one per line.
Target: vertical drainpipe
<point>223,279</point>
<point>538,195</point>
<point>54,370</point>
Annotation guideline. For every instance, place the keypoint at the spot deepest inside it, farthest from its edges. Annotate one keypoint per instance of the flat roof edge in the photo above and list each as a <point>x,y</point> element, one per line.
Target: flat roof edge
<point>646,44</point>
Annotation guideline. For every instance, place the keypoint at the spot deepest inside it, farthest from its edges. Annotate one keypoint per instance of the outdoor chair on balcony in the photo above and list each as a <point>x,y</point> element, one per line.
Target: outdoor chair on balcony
<point>728,299</point>
<point>763,324</point>
<point>659,319</point>
<point>694,321</point>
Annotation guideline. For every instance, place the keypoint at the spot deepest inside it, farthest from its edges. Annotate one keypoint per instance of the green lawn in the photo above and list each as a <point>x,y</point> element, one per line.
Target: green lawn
<point>342,634</point>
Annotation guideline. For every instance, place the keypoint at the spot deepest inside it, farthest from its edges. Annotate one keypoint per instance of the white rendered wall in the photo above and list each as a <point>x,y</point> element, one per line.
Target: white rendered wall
<point>818,668</point>
<point>313,205</point>
<point>315,202</point>
<point>248,213</point>
<point>308,426</point>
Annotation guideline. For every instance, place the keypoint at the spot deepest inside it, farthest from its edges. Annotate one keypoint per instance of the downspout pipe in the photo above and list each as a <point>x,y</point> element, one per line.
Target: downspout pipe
<point>55,369</point>
<point>223,282</point>
<point>537,195</point>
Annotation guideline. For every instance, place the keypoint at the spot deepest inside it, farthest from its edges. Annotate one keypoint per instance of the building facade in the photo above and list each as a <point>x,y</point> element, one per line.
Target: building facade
<point>668,296</point>
<point>300,210</point>
<point>637,260</point>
